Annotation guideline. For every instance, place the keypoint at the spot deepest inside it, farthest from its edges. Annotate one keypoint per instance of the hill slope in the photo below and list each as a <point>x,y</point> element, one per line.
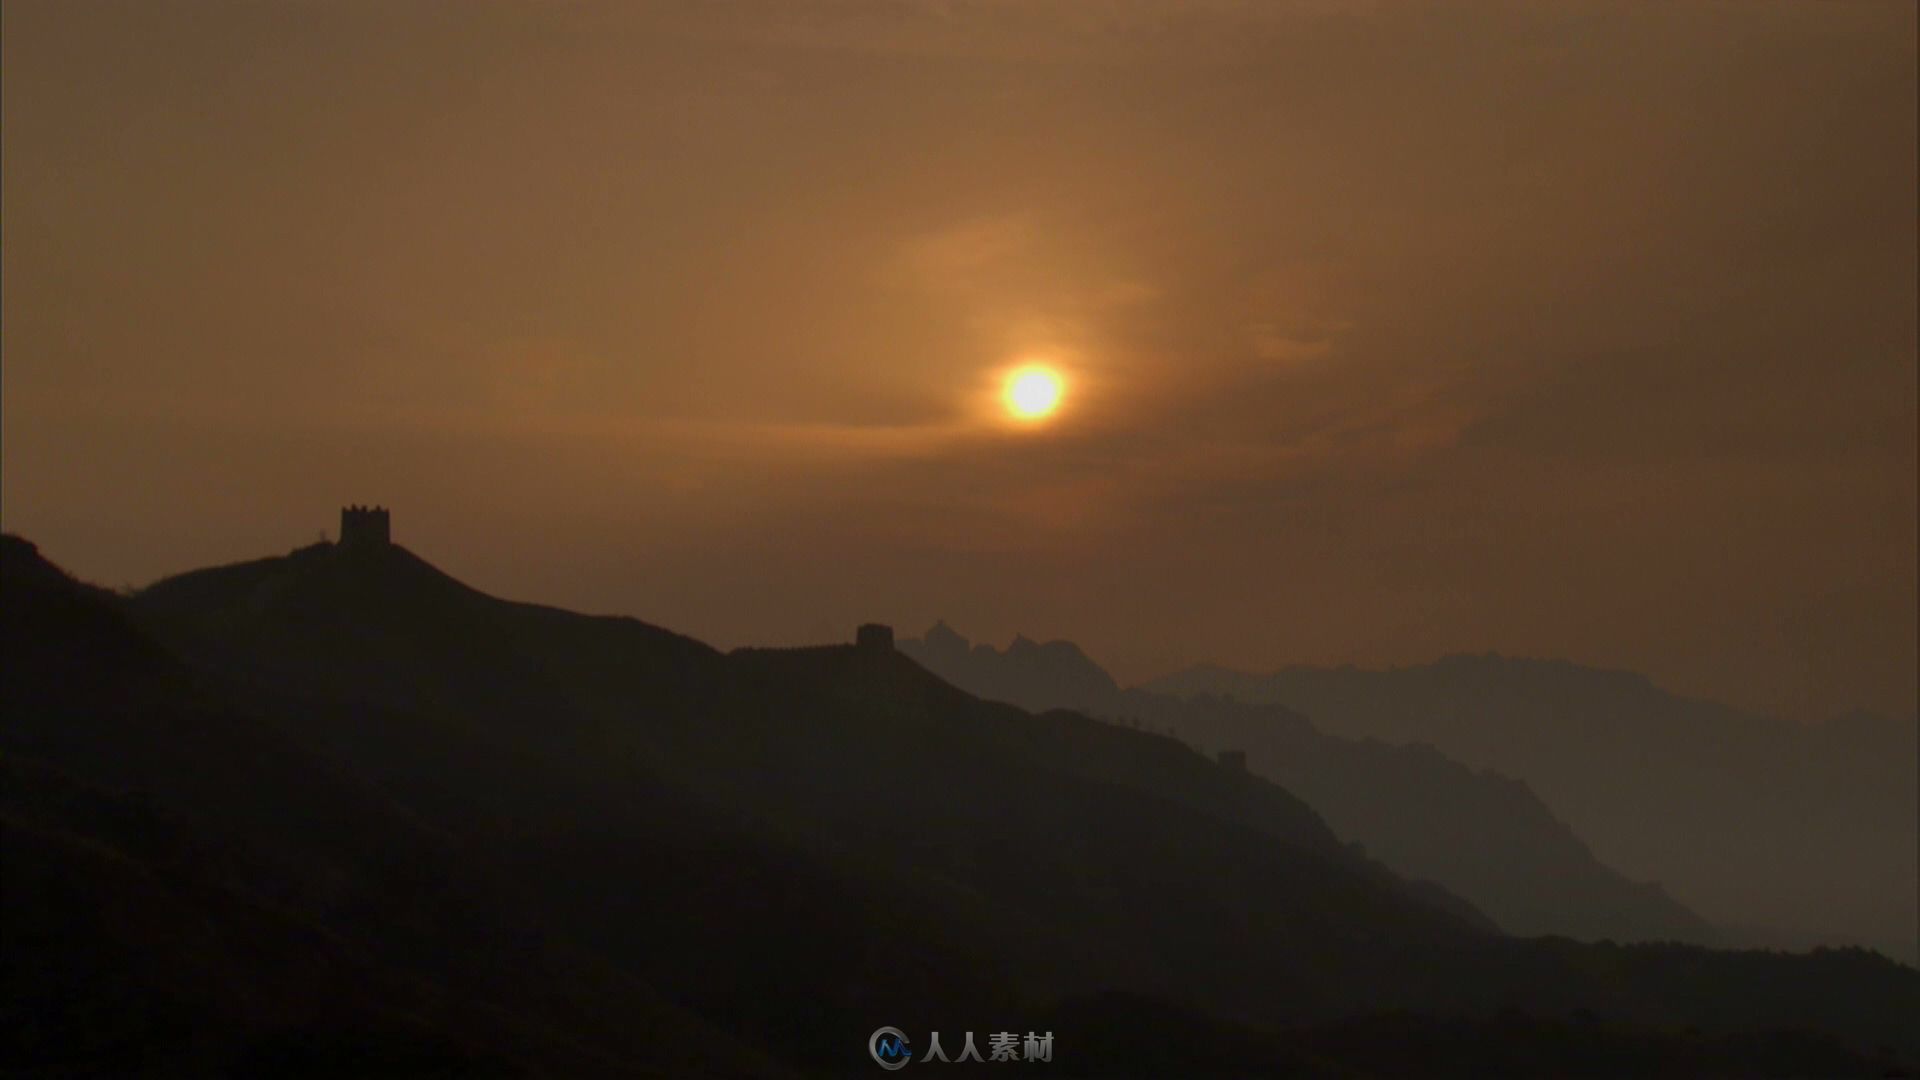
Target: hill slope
<point>849,752</point>
<point>1482,835</point>
<point>326,812</point>
<point>1786,833</point>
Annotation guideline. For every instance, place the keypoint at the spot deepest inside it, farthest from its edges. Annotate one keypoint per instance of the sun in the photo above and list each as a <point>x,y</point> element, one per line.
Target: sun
<point>1033,393</point>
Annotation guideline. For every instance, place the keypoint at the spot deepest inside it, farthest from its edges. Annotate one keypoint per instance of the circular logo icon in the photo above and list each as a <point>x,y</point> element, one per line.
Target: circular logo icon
<point>888,1045</point>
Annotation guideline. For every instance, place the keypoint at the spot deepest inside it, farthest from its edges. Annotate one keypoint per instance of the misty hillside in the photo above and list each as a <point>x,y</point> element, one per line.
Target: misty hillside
<point>1480,834</point>
<point>1779,831</point>
<point>335,813</point>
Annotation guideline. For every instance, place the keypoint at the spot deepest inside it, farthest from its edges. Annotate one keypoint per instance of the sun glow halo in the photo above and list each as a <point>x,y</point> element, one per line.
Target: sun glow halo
<point>1033,393</point>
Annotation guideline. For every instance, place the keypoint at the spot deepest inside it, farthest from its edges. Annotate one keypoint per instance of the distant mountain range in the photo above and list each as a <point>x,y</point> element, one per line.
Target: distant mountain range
<point>336,813</point>
<point>1785,833</point>
<point>1480,834</point>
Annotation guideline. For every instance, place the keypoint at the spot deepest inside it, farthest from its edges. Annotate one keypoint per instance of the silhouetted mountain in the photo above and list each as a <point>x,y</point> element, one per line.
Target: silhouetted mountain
<point>848,751</point>
<point>335,813</point>
<point>190,889</point>
<point>1056,675</point>
<point>1481,835</point>
<point>1785,833</point>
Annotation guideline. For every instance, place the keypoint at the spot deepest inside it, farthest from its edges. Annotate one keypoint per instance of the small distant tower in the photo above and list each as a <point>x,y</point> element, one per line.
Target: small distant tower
<point>1233,760</point>
<point>874,638</point>
<point>364,526</point>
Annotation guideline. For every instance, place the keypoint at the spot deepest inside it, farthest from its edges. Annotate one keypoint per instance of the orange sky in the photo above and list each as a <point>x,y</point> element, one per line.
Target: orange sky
<point>1581,330</point>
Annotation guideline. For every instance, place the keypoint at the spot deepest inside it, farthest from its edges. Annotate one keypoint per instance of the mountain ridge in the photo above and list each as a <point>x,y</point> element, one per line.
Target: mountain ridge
<point>1795,833</point>
<point>1482,834</point>
<point>573,822</point>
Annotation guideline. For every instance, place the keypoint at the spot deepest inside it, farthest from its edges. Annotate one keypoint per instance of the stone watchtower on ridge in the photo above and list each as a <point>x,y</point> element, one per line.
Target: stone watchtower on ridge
<point>364,526</point>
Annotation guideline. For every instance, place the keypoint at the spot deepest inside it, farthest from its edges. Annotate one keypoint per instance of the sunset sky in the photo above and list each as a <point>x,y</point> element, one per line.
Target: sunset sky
<point>1383,330</point>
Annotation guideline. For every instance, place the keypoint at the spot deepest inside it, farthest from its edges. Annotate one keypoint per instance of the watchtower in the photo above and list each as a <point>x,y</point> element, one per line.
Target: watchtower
<point>874,638</point>
<point>365,526</point>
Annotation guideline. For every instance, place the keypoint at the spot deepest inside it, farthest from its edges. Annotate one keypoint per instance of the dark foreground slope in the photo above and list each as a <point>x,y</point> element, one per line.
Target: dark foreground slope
<point>1055,836</point>
<point>337,813</point>
<point>190,889</point>
<point>1780,831</point>
<point>1483,835</point>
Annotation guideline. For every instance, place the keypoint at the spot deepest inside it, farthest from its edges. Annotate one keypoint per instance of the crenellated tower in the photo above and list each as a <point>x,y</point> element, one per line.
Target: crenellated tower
<point>364,526</point>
